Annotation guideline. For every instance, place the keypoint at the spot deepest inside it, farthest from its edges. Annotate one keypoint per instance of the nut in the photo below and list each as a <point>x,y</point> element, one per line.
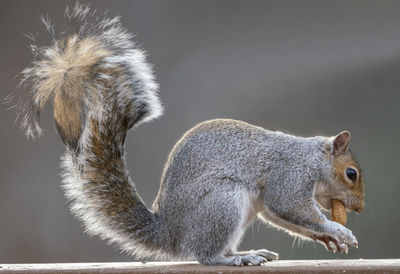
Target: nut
<point>338,212</point>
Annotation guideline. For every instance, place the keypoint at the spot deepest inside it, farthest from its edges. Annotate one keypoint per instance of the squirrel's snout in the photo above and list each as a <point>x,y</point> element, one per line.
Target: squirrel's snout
<point>359,209</point>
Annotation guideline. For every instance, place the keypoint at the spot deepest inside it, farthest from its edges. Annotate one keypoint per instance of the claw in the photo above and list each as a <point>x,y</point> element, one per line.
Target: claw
<point>353,243</point>
<point>344,248</point>
<point>331,246</point>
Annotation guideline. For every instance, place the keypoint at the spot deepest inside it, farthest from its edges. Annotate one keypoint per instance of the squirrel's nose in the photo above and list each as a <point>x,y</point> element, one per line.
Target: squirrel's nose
<point>360,209</point>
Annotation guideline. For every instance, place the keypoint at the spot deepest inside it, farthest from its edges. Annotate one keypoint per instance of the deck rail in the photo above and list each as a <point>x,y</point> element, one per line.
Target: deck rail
<point>282,266</point>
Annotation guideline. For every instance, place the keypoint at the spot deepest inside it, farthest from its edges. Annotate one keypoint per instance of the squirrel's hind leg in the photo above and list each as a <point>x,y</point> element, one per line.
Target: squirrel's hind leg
<point>225,226</point>
<point>219,225</point>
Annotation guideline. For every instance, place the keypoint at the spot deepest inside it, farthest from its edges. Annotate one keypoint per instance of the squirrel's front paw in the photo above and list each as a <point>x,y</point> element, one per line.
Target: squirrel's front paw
<point>336,237</point>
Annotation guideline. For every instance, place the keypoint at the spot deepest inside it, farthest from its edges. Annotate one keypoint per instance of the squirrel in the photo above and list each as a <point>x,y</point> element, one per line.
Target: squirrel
<point>219,177</point>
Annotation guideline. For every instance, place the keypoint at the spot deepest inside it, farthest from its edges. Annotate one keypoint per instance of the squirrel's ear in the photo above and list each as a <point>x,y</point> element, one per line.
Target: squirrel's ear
<point>341,142</point>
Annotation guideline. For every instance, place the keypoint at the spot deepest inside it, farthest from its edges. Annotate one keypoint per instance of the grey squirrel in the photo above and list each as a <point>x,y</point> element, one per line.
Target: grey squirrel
<point>219,177</point>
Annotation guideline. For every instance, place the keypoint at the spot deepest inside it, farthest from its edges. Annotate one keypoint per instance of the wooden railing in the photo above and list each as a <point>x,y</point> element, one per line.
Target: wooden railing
<point>283,266</point>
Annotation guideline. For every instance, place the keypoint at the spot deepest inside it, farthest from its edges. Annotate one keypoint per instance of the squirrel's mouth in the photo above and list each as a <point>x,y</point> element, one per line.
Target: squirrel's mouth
<point>326,204</point>
<point>324,198</point>
<point>350,205</point>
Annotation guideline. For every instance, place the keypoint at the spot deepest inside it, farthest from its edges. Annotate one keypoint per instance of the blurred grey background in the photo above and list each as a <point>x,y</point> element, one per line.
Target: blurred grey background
<point>303,67</point>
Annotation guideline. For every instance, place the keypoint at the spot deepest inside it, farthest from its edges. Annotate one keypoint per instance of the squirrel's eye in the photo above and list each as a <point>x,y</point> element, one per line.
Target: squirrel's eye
<point>351,174</point>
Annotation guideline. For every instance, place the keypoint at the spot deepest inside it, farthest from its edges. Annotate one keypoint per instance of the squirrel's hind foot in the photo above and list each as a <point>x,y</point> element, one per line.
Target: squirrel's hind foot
<point>269,255</point>
<point>252,257</point>
<point>235,260</point>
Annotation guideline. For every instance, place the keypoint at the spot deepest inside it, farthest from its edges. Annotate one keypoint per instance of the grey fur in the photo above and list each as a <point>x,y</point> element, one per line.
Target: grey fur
<point>219,177</point>
<point>223,173</point>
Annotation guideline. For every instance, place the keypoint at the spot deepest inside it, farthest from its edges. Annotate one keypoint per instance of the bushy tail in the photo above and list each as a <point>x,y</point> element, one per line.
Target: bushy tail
<point>101,86</point>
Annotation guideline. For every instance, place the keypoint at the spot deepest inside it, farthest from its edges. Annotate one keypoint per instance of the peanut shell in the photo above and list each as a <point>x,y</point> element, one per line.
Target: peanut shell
<point>338,212</point>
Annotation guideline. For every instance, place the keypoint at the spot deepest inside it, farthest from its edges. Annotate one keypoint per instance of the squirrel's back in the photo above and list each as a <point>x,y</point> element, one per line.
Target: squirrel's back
<point>235,152</point>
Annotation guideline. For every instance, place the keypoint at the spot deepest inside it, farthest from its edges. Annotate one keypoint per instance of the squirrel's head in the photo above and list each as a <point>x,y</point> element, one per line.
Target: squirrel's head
<point>345,181</point>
